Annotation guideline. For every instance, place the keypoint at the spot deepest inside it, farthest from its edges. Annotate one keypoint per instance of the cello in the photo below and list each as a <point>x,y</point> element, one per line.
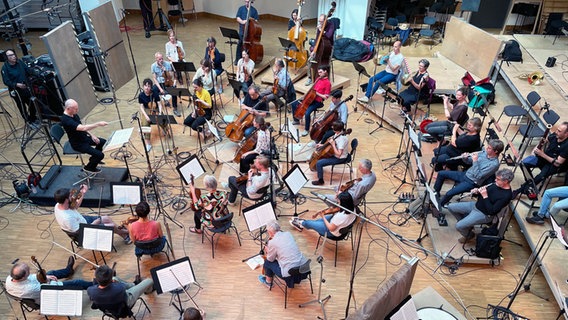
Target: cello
<point>247,146</point>
<point>320,127</point>
<point>306,101</point>
<point>235,130</point>
<point>325,151</point>
<point>323,46</point>
<point>298,35</point>
<point>251,38</point>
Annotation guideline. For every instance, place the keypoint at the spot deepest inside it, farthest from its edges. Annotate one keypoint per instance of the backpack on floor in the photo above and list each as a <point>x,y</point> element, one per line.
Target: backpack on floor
<point>512,52</point>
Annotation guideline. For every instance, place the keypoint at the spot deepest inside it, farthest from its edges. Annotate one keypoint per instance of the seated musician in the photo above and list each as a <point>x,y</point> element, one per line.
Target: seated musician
<point>145,229</point>
<point>254,104</point>
<point>328,37</point>
<point>209,206</point>
<point>207,76</point>
<point>148,100</point>
<point>213,55</point>
<point>283,79</point>
<point>456,113</point>
<point>113,292</point>
<point>341,109</point>
<point>258,178</point>
<point>192,313</point>
<point>282,254</point>
<point>22,284</point>
<point>338,143</point>
<point>360,188</point>
<point>491,199</point>
<point>332,219</point>
<point>245,68</point>
<point>417,90</point>
<point>80,137</point>
<point>69,218</point>
<point>550,159</point>
<point>173,49</point>
<point>322,89</point>
<point>202,100</point>
<point>161,71</point>
<point>483,164</point>
<point>393,67</point>
<point>462,141</point>
<point>262,143</point>
<point>545,210</point>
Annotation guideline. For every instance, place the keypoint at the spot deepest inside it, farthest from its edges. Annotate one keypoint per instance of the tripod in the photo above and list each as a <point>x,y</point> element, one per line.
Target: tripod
<point>403,157</point>
<point>319,300</point>
<point>385,96</point>
<point>139,89</point>
<point>360,70</point>
<point>162,16</point>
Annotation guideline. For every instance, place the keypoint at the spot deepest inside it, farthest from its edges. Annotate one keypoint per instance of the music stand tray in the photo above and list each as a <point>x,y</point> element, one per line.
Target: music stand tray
<point>184,66</point>
<point>287,44</point>
<point>179,92</point>
<point>162,119</point>
<point>229,33</point>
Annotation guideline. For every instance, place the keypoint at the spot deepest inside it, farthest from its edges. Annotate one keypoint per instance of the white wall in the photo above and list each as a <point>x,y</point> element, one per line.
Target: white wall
<point>353,16</point>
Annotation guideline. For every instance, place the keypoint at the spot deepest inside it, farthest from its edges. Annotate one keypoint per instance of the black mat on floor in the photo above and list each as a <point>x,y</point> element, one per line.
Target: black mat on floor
<point>64,176</point>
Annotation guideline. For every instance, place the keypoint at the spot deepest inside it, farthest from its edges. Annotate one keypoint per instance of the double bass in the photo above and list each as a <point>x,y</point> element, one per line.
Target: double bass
<point>325,151</point>
<point>323,46</point>
<point>251,38</point>
<point>298,35</point>
<point>320,127</point>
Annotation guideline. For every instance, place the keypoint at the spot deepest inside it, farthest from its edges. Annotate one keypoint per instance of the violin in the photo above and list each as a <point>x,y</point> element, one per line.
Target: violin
<point>41,274</point>
<point>235,130</point>
<point>347,185</point>
<point>245,177</point>
<point>325,151</point>
<point>75,195</point>
<point>275,86</point>
<point>180,53</point>
<point>128,221</point>
<point>212,55</point>
<point>320,127</point>
<point>168,77</point>
<point>251,38</point>
<point>298,35</point>
<point>330,210</point>
<point>306,101</point>
<point>193,205</point>
<point>199,110</point>
<point>246,74</point>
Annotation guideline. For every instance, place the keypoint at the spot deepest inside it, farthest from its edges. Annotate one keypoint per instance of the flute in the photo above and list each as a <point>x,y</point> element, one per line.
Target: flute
<point>463,155</point>
<point>474,191</point>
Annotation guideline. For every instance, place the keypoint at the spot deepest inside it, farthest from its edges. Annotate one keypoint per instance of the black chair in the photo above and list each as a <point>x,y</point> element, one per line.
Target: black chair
<point>151,247</point>
<point>221,225</point>
<point>119,310</point>
<point>345,233</point>
<point>391,32</point>
<point>175,10</point>
<point>26,304</point>
<point>347,163</point>
<point>297,274</point>
<point>531,130</point>
<point>516,111</point>
<point>431,84</point>
<point>427,33</point>
<point>263,191</point>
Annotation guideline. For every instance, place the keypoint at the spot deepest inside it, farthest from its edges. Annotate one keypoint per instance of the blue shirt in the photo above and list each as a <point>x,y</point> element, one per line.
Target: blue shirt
<point>242,13</point>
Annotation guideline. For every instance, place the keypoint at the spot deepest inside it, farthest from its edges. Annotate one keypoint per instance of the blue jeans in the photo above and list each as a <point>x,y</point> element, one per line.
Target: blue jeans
<point>468,216</point>
<point>318,225</point>
<point>375,81</point>
<point>272,268</point>
<point>308,116</point>
<point>326,162</point>
<point>66,273</point>
<point>562,203</point>
<point>464,184</point>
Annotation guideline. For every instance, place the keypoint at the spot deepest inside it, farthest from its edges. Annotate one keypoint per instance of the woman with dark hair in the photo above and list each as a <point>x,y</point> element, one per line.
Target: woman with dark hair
<point>293,18</point>
<point>212,54</point>
<point>206,75</point>
<point>262,143</point>
<point>203,99</point>
<point>145,229</point>
<point>329,224</point>
<point>417,89</point>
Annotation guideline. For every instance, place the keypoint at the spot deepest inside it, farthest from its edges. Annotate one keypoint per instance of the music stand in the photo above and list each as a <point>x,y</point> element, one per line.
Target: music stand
<point>292,132</point>
<point>190,167</point>
<point>215,133</point>
<point>256,218</point>
<point>287,44</point>
<point>62,300</point>
<point>295,179</point>
<point>96,237</point>
<point>237,87</point>
<point>174,277</point>
<point>232,34</point>
<point>360,71</point>
<point>126,193</point>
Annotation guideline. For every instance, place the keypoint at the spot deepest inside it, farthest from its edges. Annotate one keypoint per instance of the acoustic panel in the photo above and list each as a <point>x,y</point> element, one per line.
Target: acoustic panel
<point>65,53</point>
<point>107,37</point>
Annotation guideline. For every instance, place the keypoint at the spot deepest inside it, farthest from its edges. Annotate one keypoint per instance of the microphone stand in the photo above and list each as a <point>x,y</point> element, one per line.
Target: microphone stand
<point>386,88</point>
<point>139,89</point>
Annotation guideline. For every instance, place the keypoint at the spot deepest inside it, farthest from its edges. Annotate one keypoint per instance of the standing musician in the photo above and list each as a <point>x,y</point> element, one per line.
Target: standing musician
<point>160,71</point>
<point>174,51</point>
<point>329,223</point>
<point>212,54</point>
<point>69,218</point>
<point>417,89</point>
<point>328,37</point>
<point>282,254</point>
<point>338,142</point>
<point>393,66</point>
<point>293,19</point>
<point>242,20</point>
<point>491,199</point>
<point>258,178</point>
<point>281,80</point>
<point>14,75</point>
<point>341,109</point>
<point>80,138</point>
<point>245,68</point>
<point>206,75</point>
<point>210,206</point>
<point>262,144</point>
<point>145,229</point>
<point>201,100</point>
<point>322,88</point>
<point>456,113</point>
<point>254,104</point>
<point>462,141</point>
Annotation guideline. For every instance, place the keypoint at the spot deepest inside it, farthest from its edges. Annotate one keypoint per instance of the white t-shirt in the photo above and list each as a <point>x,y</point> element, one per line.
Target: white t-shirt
<point>69,219</point>
<point>395,60</point>
<point>341,143</point>
<point>341,220</point>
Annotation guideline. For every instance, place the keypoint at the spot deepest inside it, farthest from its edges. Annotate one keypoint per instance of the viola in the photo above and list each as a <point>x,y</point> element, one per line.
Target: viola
<point>212,54</point>
<point>245,177</point>
<point>128,221</point>
<point>347,185</point>
<point>246,74</point>
<point>251,38</point>
<point>330,210</point>
<point>235,130</point>
<point>192,204</point>
<point>41,274</point>
<point>74,196</point>
<point>199,110</point>
<point>325,151</point>
<point>306,101</point>
<point>322,47</point>
<point>298,35</point>
<point>320,127</point>
<point>168,77</point>
<point>247,146</point>
<point>275,86</point>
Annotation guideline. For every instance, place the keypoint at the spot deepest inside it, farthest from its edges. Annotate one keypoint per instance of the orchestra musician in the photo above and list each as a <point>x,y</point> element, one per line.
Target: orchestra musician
<point>148,20</point>
<point>456,113</point>
<point>329,223</point>
<point>362,185</point>
<point>545,210</point>
<point>417,90</point>
<point>192,313</point>
<point>207,76</point>
<point>462,141</point>
<point>388,75</point>
<point>174,51</point>
<point>212,54</point>
<point>245,68</point>
<point>342,111</point>
<point>491,199</point>
<point>69,219</point>
<point>283,79</point>
<point>242,13</point>
<point>161,70</point>
<point>293,19</point>
<point>262,144</point>
<point>14,75</point>
<point>145,229</point>
<point>201,100</point>
<point>254,104</point>
<point>258,178</point>
<point>282,254</point>
<point>483,164</point>
<point>210,206</point>
<point>322,88</point>
<point>147,97</point>
<point>329,35</point>
<point>338,142</point>
<point>80,137</point>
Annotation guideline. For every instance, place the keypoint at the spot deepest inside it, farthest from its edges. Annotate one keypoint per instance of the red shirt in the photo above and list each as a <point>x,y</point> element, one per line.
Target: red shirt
<point>143,231</point>
<point>322,86</point>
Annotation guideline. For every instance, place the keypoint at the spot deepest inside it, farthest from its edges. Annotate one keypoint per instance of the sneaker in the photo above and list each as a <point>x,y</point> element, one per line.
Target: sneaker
<point>96,170</point>
<point>317,182</point>
<point>176,112</point>
<point>535,220</point>
<point>363,99</point>
<point>225,185</point>
<point>148,147</point>
<point>380,91</point>
<point>262,280</point>
<point>296,223</point>
<point>309,82</point>
<point>469,237</point>
<point>296,122</point>
<point>304,133</point>
<point>127,240</point>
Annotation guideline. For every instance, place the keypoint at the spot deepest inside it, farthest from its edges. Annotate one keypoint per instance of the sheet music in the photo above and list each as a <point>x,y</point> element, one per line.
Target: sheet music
<point>126,194</point>
<point>61,302</point>
<point>294,132</point>
<point>296,180</point>
<point>181,270</point>
<point>213,129</point>
<point>432,195</point>
<point>118,139</point>
<point>406,312</point>
<point>97,239</point>
<point>259,216</point>
<point>192,167</point>
<point>559,232</point>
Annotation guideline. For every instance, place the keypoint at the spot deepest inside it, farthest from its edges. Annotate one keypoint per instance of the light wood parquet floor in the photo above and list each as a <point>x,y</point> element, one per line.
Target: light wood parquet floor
<point>230,289</point>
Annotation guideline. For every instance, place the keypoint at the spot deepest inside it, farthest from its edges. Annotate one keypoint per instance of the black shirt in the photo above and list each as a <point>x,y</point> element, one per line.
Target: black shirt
<point>70,125</point>
<point>497,199</point>
<point>145,100</point>
<point>557,149</point>
<point>262,106</point>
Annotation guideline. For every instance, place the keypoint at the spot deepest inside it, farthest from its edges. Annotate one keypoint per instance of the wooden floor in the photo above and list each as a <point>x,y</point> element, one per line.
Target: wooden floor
<point>230,288</point>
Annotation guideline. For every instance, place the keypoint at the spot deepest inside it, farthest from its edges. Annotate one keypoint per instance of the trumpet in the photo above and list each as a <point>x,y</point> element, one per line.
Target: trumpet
<point>475,191</point>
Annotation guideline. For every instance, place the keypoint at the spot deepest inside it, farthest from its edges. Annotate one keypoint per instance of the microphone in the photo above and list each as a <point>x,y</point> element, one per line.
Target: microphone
<point>319,195</point>
<point>134,116</point>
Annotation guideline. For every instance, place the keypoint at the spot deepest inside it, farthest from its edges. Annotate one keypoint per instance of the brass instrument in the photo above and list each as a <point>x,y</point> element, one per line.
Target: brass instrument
<point>475,191</point>
<point>535,78</point>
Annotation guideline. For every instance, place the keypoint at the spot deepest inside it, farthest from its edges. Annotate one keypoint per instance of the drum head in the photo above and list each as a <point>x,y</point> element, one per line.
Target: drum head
<point>430,313</point>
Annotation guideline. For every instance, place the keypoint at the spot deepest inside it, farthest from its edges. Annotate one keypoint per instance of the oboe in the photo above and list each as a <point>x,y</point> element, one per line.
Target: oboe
<point>474,191</point>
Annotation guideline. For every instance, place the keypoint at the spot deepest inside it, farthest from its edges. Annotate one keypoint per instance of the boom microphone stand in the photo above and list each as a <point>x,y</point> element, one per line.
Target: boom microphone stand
<point>139,89</point>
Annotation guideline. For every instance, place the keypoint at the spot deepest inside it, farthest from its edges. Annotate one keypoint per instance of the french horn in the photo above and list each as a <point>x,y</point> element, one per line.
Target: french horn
<point>535,78</point>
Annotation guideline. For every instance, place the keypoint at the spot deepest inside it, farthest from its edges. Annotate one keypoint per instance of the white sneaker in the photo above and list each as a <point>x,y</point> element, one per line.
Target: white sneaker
<point>311,144</point>
<point>363,99</point>
<point>309,82</point>
<point>381,91</point>
<point>225,185</point>
<point>148,147</point>
<point>304,133</point>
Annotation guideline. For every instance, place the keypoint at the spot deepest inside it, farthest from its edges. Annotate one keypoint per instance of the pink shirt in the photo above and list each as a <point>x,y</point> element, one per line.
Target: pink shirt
<point>143,231</point>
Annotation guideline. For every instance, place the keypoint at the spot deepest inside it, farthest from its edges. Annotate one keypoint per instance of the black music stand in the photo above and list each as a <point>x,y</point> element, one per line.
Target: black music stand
<point>237,87</point>
<point>234,38</point>
<point>184,67</point>
<point>287,44</point>
<point>360,71</point>
<point>295,180</point>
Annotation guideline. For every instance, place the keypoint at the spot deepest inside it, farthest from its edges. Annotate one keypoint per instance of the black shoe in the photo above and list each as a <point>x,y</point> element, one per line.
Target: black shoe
<point>176,112</point>
<point>102,163</point>
<point>535,214</point>
<point>70,264</point>
<point>317,182</point>
<point>516,193</point>
<point>147,35</point>
<point>535,220</point>
<point>137,279</point>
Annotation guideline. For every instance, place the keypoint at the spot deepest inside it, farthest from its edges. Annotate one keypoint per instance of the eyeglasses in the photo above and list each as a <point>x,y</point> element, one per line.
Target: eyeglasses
<point>10,55</point>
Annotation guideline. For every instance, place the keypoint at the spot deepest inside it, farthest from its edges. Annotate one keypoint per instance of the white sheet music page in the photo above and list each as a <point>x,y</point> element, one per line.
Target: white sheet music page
<point>125,194</point>
<point>296,181</point>
<point>97,239</point>
<point>118,139</point>
<point>61,302</point>
<point>182,271</point>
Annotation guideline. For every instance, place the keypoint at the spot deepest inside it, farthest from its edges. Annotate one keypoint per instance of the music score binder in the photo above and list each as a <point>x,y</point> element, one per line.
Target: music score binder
<point>61,301</point>
<point>258,215</point>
